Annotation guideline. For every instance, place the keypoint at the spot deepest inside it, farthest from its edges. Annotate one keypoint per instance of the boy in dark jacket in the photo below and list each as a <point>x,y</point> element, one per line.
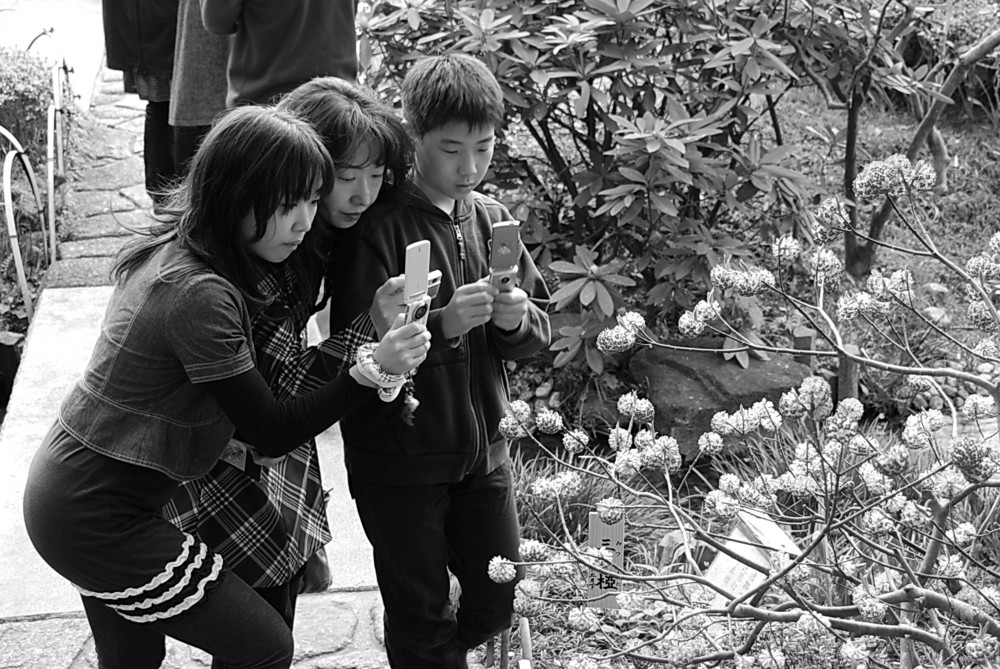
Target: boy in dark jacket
<point>434,489</point>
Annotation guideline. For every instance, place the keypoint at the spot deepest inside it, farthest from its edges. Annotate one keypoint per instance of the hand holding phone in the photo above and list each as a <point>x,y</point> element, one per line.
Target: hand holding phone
<point>416,280</point>
<point>504,248</point>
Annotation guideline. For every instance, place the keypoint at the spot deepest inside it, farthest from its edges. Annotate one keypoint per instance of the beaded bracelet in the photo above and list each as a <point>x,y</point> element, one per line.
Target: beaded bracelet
<point>388,384</point>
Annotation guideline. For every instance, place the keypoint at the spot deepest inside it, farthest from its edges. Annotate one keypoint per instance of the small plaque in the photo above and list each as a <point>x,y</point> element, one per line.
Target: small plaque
<point>603,588</point>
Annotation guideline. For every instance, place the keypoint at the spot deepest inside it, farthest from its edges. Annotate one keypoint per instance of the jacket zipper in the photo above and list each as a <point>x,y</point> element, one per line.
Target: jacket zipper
<point>479,450</point>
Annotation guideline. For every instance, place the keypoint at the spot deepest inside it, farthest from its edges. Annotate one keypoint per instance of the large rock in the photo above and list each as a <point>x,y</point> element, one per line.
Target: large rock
<point>688,387</point>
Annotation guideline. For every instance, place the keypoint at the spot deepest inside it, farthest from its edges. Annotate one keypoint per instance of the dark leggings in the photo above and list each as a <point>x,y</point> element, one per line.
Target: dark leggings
<point>187,139</point>
<point>231,623</point>
<point>158,150</point>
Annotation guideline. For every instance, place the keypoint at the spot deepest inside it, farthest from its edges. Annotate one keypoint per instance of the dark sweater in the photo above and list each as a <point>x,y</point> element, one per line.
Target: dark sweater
<point>279,44</point>
<point>462,386</point>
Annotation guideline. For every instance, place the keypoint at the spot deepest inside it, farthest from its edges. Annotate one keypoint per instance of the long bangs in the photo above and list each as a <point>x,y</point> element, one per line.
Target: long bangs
<point>289,172</point>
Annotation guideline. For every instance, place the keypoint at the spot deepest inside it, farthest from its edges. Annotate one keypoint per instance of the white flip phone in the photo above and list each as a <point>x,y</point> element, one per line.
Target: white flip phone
<point>504,247</point>
<point>416,281</point>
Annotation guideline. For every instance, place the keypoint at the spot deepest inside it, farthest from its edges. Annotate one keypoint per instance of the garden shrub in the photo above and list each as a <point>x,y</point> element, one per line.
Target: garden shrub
<point>25,96</point>
<point>889,555</point>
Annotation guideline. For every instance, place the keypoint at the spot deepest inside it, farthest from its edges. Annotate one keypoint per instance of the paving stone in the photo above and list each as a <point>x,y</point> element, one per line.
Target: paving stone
<point>84,204</point>
<point>98,247</point>
<point>52,643</point>
<point>137,194</point>
<point>111,114</point>
<point>79,273</point>
<point>123,224</point>
<point>114,175</point>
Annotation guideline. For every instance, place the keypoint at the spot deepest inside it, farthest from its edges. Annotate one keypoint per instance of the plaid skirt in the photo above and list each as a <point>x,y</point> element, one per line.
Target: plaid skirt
<point>264,522</point>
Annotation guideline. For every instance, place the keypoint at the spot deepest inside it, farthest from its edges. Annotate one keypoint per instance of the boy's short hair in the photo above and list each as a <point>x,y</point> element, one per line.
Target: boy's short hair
<point>452,87</point>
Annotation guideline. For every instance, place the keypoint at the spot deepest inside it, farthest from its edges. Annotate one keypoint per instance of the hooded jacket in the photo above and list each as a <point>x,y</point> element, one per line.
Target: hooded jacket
<point>462,386</point>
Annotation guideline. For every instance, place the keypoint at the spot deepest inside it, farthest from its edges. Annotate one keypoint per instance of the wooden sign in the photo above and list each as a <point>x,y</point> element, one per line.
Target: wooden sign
<point>603,588</point>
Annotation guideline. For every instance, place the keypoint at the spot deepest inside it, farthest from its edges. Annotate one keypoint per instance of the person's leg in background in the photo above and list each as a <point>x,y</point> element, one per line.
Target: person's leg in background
<point>405,525</point>
<point>158,150</point>
<point>483,523</point>
<point>187,139</point>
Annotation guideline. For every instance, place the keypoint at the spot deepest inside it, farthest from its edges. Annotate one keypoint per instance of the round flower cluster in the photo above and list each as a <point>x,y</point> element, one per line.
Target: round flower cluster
<point>892,177</point>
<point>861,445</point>
<point>947,484</point>
<point>852,305</point>
<point>832,213</point>
<point>689,326</point>
<point>721,424</point>
<point>918,383</point>
<point>720,504</point>
<point>710,443</point>
<point>745,421</point>
<point>950,566</point>
<point>963,534</point>
<point>898,286</point>
<point>876,483</point>
<point>582,619</point>
<point>878,179</point>
<point>826,267</point>
<point>637,408</point>
<point>983,267</point>
<point>501,570</point>
<point>786,250</point>
<point>729,484</point>
<point>610,510</point>
<point>919,428</point>
<point>548,421</point>
<point>511,428</point>
<point>877,524</point>
<point>526,602</point>
<point>987,348</point>
<point>563,484</point>
<point>745,282</point>
<point>983,649</point>
<point>854,652</point>
<point>977,407</point>
<point>707,311</point>
<point>632,321</point>
<point>644,439</point>
<point>843,424</point>
<point>628,462</point>
<point>893,460</point>
<point>980,315</point>
<point>797,480</point>
<point>663,454</point>
<point>575,441</point>
<point>974,458</point>
<point>521,410</point>
<point>770,418</point>
<point>534,551</point>
<point>619,439</point>
<point>615,340</point>
<point>815,395</point>
<point>914,515</point>
<point>870,607</point>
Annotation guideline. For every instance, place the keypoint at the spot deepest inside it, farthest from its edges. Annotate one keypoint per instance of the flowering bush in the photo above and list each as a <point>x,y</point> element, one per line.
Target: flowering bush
<point>881,551</point>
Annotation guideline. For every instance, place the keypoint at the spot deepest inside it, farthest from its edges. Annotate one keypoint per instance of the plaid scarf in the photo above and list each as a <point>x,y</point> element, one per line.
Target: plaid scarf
<point>267,521</point>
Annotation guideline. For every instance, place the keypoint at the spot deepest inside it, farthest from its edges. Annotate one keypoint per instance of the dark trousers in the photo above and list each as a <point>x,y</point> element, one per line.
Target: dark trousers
<point>232,623</point>
<point>158,150</point>
<point>417,534</point>
<point>187,139</point>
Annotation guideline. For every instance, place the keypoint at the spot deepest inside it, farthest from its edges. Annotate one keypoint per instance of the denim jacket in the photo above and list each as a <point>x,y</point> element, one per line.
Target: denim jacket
<point>142,398</point>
